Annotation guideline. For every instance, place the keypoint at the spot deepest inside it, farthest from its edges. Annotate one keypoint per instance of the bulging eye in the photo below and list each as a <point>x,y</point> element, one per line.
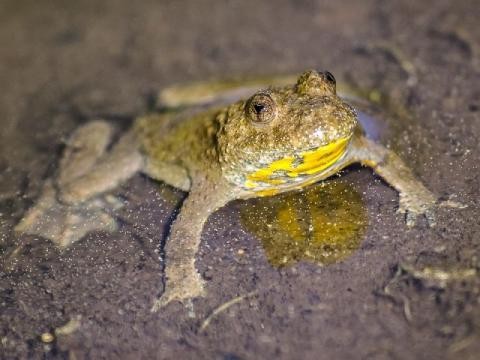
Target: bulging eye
<point>261,108</point>
<point>329,77</point>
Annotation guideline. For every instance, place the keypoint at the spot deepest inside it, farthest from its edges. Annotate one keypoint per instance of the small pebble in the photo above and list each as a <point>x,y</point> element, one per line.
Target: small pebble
<point>47,337</point>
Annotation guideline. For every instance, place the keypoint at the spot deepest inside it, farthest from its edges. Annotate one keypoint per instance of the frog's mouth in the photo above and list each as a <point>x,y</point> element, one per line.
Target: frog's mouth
<point>295,171</point>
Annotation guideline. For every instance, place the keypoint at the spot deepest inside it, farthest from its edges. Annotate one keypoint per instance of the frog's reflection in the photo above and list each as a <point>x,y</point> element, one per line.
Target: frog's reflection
<point>324,223</point>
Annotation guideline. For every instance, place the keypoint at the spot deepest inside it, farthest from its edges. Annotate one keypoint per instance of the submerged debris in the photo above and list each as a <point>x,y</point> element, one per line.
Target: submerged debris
<point>436,276</point>
<point>223,308</point>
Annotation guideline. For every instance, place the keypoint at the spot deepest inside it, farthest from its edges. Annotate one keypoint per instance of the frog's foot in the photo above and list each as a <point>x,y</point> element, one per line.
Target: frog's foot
<point>415,198</point>
<point>423,204</point>
<point>415,205</point>
<point>65,224</point>
<point>182,286</point>
<point>74,203</point>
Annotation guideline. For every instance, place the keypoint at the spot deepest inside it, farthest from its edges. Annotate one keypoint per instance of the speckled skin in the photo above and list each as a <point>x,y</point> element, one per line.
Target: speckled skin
<point>226,143</point>
<point>279,139</point>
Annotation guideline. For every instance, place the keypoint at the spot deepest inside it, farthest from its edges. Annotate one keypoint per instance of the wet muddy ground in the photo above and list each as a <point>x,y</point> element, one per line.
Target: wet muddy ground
<point>400,294</point>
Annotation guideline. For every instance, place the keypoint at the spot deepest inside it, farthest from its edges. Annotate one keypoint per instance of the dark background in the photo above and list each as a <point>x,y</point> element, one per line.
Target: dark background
<point>65,62</point>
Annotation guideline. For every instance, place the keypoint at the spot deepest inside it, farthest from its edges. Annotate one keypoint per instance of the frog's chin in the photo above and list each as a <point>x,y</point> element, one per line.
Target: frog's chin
<point>296,171</point>
<point>296,185</point>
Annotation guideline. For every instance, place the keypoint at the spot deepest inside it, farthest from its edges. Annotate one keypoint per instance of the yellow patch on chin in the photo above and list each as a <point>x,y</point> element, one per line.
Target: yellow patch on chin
<point>267,192</point>
<point>311,162</point>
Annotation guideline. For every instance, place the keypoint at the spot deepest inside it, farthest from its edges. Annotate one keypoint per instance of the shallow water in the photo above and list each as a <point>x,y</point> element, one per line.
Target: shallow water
<point>324,223</point>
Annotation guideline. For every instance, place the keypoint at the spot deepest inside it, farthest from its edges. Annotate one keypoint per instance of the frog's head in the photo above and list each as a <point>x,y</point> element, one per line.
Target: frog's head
<point>282,138</point>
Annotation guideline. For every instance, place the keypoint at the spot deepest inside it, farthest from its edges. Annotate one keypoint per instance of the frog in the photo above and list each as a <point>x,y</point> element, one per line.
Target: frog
<point>219,146</point>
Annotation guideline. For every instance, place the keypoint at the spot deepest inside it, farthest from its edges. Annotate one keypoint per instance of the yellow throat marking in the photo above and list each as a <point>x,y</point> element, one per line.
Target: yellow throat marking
<point>307,163</point>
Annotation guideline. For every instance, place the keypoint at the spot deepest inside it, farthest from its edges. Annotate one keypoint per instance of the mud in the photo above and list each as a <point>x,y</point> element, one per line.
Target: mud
<point>402,294</point>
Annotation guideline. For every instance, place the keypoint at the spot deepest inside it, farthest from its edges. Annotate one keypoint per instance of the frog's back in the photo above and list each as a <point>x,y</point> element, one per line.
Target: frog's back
<point>187,141</point>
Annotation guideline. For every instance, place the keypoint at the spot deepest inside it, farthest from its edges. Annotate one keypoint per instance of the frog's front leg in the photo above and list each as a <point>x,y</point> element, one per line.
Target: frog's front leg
<point>182,280</point>
<point>415,198</point>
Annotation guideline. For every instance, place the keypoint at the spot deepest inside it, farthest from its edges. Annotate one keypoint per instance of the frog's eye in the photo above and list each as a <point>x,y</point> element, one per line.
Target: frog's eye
<point>330,78</point>
<point>261,108</point>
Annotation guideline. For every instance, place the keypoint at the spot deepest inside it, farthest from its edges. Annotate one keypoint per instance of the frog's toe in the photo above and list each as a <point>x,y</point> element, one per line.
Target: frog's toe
<point>452,204</point>
<point>182,291</point>
<point>164,300</point>
<point>430,216</point>
<point>410,218</point>
<point>402,209</point>
<point>414,206</point>
<point>408,205</point>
